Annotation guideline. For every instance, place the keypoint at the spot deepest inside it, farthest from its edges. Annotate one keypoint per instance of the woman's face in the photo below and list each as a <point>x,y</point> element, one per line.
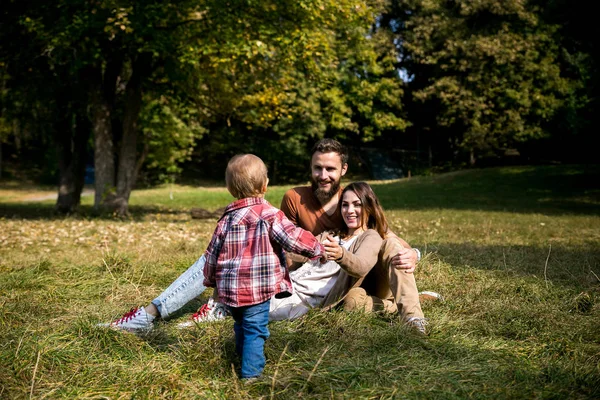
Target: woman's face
<point>352,211</point>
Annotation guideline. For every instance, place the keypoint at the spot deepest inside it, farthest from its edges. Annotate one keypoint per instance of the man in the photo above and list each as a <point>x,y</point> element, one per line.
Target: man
<point>315,208</point>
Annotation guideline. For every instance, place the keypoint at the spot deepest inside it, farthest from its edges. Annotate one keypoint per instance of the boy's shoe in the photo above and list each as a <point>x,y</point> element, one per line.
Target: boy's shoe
<point>426,295</point>
<point>136,320</point>
<point>418,324</point>
<point>209,312</point>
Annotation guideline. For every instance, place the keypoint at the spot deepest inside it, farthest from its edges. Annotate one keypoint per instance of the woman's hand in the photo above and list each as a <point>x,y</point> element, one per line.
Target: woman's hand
<point>333,250</point>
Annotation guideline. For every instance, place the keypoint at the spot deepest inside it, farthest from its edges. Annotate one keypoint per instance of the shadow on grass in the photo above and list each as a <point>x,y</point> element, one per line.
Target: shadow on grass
<point>577,268</point>
<point>366,356</point>
<point>46,211</point>
<point>551,190</point>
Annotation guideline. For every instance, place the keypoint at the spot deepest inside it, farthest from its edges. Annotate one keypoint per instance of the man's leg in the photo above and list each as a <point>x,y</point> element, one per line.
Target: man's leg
<point>186,287</point>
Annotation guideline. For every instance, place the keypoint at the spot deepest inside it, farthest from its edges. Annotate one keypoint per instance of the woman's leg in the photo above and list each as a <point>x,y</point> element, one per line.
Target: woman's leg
<point>358,299</point>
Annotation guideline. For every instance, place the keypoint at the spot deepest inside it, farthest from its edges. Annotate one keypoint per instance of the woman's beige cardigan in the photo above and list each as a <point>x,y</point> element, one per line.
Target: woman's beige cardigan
<point>356,263</point>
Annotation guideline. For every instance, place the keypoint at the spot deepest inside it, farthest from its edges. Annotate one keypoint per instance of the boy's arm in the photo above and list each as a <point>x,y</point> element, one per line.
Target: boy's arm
<point>294,261</point>
<point>294,239</point>
<point>211,255</point>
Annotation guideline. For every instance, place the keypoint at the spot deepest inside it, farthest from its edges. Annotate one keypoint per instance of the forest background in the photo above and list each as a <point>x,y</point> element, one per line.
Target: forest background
<point>142,92</point>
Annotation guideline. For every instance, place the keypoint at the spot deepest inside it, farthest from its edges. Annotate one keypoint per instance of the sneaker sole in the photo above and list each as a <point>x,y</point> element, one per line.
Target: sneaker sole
<point>187,324</point>
<point>116,328</point>
<point>428,296</point>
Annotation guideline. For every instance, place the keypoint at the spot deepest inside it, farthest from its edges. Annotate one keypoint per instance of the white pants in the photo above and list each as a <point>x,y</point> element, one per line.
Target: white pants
<point>288,308</point>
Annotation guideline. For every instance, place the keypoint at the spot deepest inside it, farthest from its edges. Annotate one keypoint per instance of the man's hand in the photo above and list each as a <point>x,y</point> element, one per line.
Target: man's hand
<point>406,260</point>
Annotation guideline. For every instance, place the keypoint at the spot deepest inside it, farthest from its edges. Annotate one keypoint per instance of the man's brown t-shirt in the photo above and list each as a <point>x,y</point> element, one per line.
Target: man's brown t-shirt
<point>302,208</point>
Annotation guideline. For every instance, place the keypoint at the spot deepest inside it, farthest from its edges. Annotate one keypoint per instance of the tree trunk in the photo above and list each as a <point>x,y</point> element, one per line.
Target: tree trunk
<point>66,202</point>
<point>104,163</point>
<point>430,156</point>
<point>71,146</point>
<point>83,130</point>
<point>17,134</point>
<point>128,163</point>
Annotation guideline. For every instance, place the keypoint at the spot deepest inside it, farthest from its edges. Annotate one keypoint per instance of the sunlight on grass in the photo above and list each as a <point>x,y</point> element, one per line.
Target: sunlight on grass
<point>519,270</point>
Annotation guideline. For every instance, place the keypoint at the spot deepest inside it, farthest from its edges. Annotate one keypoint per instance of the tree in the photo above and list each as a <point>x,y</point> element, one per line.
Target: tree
<point>332,75</point>
<point>138,74</point>
<point>488,68</point>
<point>44,101</point>
<point>90,62</point>
<point>573,127</point>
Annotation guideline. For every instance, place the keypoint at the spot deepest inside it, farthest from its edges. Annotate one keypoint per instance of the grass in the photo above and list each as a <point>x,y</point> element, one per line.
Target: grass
<point>515,252</point>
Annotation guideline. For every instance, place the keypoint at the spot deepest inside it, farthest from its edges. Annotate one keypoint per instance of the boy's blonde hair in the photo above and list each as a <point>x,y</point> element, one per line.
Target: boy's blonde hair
<point>246,176</point>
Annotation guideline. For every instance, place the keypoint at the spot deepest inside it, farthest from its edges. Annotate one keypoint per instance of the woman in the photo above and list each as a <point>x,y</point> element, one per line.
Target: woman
<point>353,274</point>
<point>352,253</point>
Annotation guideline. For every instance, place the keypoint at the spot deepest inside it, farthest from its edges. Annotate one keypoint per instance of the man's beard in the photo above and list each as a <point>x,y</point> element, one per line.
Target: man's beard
<point>322,195</point>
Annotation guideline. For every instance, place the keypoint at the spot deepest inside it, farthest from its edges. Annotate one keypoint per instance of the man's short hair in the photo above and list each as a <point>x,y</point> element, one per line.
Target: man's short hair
<point>245,176</point>
<point>331,146</point>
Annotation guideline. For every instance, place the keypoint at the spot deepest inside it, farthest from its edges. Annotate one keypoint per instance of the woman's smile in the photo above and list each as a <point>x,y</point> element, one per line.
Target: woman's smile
<point>352,211</point>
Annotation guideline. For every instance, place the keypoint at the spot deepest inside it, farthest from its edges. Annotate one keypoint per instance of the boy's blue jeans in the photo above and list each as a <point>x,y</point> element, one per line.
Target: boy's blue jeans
<point>251,332</point>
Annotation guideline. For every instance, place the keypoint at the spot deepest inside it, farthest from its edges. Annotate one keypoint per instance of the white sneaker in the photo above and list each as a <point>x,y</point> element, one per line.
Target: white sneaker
<point>209,312</point>
<point>136,320</point>
<point>426,295</point>
<point>418,323</point>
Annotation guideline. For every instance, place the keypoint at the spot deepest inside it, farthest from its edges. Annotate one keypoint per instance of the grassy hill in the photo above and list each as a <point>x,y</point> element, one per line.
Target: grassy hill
<point>514,251</point>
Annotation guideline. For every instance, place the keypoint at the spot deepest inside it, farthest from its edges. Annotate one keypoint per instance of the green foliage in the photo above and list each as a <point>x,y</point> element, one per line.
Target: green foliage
<point>296,74</point>
<point>168,137</point>
<point>273,70</point>
<point>5,130</point>
<point>331,78</point>
<point>273,77</point>
<point>490,66</point>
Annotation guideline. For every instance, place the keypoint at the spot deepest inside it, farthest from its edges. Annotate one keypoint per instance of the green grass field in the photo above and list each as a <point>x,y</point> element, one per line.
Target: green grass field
<point>514,251</point>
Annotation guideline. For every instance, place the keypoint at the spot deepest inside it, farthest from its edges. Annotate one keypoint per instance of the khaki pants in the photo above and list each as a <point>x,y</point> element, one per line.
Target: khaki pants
<point>386,288</point>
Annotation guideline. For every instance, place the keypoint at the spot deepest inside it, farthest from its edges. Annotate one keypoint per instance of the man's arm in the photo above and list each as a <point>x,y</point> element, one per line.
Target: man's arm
<point>289,207</point>
<point>407,257</point>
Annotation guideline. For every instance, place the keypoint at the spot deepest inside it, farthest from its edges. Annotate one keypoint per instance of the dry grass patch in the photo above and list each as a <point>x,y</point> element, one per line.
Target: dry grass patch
<point>519,320</point>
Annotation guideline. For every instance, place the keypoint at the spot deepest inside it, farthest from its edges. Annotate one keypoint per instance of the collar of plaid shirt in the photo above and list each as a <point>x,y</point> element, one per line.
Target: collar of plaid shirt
<point>245,202</point>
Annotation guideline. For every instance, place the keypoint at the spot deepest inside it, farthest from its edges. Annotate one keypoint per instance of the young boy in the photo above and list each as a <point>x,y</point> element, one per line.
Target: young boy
<point>245,259</point>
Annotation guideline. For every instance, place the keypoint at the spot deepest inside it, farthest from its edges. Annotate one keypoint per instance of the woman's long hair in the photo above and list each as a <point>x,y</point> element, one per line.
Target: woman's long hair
<point>372,214</point>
